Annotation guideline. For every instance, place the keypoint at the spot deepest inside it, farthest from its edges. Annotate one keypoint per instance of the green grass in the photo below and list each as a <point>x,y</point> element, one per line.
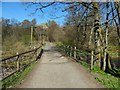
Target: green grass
<point>106,79</point>
<point>84,64</point>
<point>16,78</point>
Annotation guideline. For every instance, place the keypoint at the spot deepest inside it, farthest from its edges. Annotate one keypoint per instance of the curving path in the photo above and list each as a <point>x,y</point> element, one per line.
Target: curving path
<point>55,71</point>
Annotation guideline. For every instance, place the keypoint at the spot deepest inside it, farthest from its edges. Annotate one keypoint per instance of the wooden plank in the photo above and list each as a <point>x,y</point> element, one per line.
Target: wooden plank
<point>19,54</point>
<point>18,61</point>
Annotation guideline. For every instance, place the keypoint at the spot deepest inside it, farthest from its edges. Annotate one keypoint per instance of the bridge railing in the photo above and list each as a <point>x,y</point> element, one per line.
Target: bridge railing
<point>78,55</point>
<point>87,57</point>
<point>19,62</point>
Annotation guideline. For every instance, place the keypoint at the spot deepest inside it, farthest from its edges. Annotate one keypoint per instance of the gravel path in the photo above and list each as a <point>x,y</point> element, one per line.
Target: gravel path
<point>56,71</point>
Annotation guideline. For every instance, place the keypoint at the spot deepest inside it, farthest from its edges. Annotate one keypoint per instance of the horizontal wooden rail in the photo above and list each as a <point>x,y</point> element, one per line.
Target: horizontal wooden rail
<point>77,50</point>
<point>19,54</point>
<point>18,62</point>
<point>78,55</point>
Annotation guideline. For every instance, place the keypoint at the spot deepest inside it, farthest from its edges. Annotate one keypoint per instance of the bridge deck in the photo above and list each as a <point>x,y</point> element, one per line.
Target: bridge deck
<point>56,71</point>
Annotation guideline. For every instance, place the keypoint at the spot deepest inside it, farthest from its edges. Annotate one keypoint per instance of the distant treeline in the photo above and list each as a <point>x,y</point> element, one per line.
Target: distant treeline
<point>15,35</point>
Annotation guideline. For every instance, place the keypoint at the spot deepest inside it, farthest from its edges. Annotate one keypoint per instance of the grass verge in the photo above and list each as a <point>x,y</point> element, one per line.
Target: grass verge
<point>108,80</point>
<point>17,77</point>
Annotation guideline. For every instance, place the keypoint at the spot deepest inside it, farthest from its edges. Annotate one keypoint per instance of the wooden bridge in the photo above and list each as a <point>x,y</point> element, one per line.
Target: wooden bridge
<point>53,70</point>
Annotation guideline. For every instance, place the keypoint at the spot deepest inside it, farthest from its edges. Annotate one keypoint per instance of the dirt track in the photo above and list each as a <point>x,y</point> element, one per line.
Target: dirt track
<point>56,71</point>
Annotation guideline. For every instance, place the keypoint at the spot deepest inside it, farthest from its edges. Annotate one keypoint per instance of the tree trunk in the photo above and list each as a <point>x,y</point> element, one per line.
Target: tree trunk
<point>90,40</point>
<point>117,6</point>
<point>106,41</point>
<point>97,32</point>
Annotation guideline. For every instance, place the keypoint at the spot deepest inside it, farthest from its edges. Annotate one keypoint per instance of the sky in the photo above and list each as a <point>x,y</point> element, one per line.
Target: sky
<point>20,12</point>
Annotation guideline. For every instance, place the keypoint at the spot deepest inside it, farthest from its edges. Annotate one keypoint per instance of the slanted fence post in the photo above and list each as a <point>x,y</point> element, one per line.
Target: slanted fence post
<point>75,52</point>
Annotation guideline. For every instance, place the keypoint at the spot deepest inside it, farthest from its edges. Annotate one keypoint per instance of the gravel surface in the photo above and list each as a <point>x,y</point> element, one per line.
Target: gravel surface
<point>54,70</point>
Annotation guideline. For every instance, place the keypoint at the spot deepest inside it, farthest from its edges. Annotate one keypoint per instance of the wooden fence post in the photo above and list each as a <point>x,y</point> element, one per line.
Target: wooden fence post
<point>18,63</point>
<point>67,50</point>
<point>70,51</point>
<point>35,53</point>
<point>75,52</point>
<point>91,66</point>
<point>64,48</point>
<point>31,34</point>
